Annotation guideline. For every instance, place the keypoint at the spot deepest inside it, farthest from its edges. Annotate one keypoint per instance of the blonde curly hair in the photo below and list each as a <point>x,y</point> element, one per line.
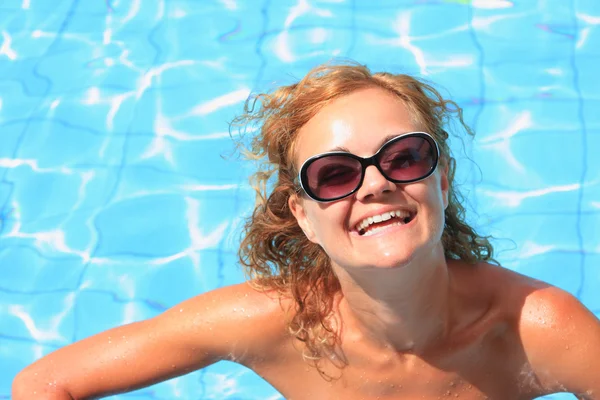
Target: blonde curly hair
<point>274,251</point>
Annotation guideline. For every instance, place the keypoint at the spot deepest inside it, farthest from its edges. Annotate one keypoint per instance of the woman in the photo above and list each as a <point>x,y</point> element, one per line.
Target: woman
<point>365,280</point>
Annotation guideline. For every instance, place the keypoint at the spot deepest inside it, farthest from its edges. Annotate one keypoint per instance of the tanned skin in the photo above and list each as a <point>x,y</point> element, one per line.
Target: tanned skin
<point>521,340</point>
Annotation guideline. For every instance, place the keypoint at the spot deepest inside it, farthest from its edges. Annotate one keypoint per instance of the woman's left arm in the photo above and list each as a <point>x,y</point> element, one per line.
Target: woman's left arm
<point>561,339</point>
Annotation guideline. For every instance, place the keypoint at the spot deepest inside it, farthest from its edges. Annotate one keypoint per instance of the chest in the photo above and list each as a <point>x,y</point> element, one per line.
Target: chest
<point>490,370</point>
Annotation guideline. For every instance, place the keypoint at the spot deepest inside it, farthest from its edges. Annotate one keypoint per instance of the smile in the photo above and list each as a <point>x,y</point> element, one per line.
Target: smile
<point>371,225</point>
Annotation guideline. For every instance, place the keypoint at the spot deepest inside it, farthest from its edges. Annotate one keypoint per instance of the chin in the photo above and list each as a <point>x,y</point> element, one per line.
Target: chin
<point>394,262</point>
<point>394,255</point>
<point>391,259</point>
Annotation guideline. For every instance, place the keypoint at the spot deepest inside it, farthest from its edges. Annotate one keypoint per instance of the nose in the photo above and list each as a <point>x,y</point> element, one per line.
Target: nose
<point>374,184</point>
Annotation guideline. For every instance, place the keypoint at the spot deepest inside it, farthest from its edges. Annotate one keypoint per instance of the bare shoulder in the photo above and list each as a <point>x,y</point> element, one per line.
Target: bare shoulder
<point>244,321</point>
<point>537,305</point>
<point>508,288</point>
<point>505,288</point>
<point>557,335</point>
<point>560,337</point>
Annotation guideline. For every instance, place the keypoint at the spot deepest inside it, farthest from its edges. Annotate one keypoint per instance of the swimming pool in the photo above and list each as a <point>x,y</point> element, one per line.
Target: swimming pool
<point>116,202</point>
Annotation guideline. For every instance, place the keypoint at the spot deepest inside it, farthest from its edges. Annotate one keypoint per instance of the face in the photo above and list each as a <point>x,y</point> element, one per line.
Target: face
<point>360,123</point>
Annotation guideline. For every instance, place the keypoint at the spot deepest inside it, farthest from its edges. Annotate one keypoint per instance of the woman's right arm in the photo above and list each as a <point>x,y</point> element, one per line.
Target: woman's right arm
<point>189,336</point>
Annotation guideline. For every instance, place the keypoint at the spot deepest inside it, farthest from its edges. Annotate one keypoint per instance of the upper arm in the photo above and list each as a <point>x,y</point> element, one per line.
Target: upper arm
<point>216,325</point>
<point>561,338</point>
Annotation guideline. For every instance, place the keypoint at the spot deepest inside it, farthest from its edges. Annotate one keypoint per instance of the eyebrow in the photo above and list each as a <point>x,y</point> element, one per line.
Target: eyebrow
<point>383,141</point>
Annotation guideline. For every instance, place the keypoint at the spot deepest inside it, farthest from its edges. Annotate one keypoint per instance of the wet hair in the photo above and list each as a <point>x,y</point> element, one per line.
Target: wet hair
<point>274,251</point>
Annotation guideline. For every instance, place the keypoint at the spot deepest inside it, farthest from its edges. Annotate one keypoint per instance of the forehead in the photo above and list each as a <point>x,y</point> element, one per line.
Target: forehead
<point>357,121</point>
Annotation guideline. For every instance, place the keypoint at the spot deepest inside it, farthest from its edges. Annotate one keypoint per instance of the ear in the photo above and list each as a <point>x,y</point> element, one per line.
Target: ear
<point>297,207</point>
<point>444,183</point>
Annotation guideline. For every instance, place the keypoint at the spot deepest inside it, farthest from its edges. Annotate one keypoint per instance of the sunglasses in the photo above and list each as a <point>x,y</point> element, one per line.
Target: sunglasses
<point>334,175</point>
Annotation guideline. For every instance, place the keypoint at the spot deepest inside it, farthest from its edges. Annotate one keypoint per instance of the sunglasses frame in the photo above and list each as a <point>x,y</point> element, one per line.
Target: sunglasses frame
<point>366,162</point>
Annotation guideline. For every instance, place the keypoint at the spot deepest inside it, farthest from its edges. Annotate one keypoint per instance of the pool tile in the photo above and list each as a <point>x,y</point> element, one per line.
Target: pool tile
<point>153,225</point>
<point>31,271</point>
<point>46,317</point>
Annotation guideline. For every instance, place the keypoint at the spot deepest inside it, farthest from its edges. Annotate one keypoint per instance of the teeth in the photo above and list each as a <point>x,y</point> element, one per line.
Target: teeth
<point>402,215</point>
<point>378,228</point>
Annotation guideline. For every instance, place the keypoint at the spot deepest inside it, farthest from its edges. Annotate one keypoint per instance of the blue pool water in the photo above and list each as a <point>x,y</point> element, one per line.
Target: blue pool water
<point>116,202</point>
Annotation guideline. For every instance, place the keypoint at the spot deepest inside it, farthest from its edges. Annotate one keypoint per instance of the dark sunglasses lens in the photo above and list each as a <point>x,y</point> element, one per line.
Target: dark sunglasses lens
<point>330,177</point>
<point>409,158</point>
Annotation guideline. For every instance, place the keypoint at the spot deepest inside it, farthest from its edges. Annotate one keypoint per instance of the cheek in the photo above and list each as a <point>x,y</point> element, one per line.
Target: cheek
<point>436,194</point>
<point>328,221</point>
<point>437,204</point>
<point>432,200</point>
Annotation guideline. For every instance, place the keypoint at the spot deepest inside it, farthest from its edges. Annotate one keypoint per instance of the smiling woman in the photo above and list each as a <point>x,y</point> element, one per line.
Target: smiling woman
<point>360,264</point>
<point>274,238</point>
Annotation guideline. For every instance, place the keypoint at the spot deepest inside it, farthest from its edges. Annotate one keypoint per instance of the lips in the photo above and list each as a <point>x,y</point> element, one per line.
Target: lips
<point>371,224</point>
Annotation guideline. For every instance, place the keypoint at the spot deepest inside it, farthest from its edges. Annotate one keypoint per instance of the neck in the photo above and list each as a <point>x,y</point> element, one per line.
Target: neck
<point>407,308</point>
